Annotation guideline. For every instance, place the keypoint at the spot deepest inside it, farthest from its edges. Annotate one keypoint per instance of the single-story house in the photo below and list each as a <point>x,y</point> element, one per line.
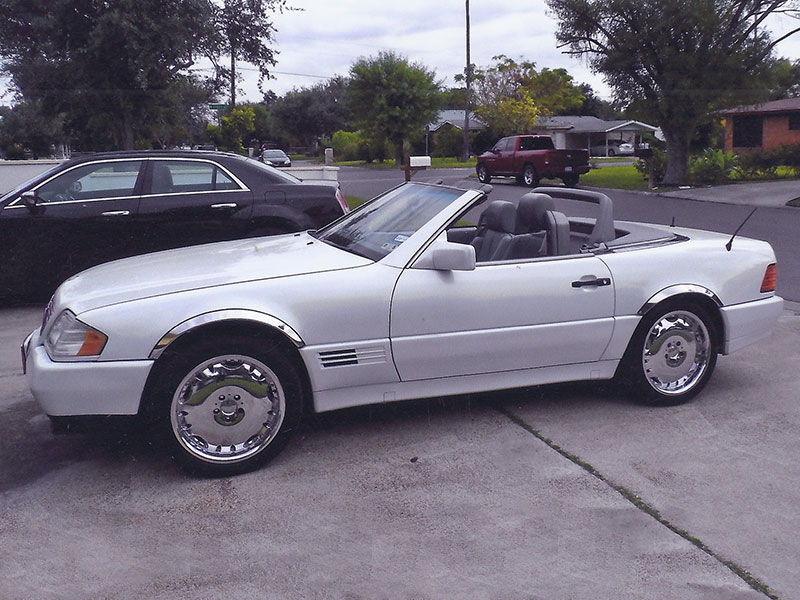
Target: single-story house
<point>576,132</point>
<point>456,119</point>
<point>762,126</point>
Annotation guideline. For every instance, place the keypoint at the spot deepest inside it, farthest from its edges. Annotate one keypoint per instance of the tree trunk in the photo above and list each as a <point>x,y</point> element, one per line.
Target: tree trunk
<point>398,153</point>
<point>677,171</point>
<point>233,78</point>
<point>123,132</point>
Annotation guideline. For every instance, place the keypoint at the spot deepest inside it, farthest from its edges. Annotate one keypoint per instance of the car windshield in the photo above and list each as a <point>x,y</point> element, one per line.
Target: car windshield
<point>380,226</point>
<point>275,154</point>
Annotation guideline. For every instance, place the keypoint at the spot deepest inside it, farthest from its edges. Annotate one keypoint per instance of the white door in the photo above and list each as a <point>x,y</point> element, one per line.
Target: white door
<point>501,317</point>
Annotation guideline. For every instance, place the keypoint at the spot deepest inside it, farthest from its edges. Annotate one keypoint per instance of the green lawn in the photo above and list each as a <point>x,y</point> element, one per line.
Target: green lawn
<point>621,178</point>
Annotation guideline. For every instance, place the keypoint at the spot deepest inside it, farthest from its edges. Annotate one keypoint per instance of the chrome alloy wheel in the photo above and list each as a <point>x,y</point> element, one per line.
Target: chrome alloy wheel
<point>228,409</point>
<point>676,352</point>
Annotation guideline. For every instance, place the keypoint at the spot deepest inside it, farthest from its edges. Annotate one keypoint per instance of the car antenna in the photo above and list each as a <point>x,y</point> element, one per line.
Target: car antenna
<point>730,241</point>
<point>673,221</point>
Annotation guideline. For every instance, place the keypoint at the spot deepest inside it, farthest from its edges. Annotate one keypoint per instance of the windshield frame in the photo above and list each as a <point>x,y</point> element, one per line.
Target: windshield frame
<point>405,243</point>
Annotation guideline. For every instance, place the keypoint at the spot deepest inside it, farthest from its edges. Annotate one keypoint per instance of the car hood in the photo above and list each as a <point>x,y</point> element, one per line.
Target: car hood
<point>203,266</point>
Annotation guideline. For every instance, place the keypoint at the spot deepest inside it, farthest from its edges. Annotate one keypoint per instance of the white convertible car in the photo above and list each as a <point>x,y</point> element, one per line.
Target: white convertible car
<point>224,346</point>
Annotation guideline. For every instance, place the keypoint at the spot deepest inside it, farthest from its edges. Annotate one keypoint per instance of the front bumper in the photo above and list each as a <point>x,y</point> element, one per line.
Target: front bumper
<point>83,387</point>
<point>749,322</point>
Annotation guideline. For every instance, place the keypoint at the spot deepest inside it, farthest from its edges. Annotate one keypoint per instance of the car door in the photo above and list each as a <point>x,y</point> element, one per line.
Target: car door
<point>494,159</point>
<point>82,217</point>
<point>189,201</point>
<point>503,316</point>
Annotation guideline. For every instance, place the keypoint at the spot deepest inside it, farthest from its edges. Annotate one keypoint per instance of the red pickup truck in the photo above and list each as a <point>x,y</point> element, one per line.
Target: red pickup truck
<point>529,158</point>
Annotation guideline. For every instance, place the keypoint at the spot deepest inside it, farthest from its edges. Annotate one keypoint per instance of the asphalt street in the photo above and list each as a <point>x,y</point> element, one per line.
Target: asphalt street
<point>558,492</point>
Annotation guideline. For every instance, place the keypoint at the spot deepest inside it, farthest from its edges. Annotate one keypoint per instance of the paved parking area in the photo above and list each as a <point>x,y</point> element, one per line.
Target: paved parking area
<point>555,492</point>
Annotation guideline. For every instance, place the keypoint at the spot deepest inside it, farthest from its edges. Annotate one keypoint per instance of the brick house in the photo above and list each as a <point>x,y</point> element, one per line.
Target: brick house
<point>762,126</point>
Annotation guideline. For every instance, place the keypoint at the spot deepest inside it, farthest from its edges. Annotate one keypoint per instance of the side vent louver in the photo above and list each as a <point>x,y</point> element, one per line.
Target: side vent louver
<point>351,356</point>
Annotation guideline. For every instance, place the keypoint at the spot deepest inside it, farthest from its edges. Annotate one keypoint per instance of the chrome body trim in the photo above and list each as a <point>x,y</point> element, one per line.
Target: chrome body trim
<point>242,187</point>
<point>675,290</point>
<point>236,314</point>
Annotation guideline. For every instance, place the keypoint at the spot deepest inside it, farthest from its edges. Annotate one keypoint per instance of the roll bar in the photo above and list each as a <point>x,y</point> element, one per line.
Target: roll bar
<point>603,230</point>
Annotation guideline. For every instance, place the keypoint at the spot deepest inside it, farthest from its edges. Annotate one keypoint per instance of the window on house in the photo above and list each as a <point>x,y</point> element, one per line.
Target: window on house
<point>794,122</point>
<point>748,131</point>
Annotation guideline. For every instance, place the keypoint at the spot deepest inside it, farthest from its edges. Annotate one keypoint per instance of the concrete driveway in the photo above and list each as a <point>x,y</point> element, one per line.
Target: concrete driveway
<point>548,493</point>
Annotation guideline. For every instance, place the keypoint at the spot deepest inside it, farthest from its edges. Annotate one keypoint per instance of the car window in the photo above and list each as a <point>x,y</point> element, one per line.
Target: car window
<point>115,179</point>
<point>271,173</point>
<point>186,176</point>
<point>502,145</point>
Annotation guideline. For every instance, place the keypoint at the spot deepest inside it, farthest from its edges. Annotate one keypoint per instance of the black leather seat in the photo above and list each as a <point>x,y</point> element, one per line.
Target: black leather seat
<point>493,243</point>
<point>529,239</point>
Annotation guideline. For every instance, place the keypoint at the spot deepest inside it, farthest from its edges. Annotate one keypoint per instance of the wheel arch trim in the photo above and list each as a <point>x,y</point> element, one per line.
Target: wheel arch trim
<point>218,316</point>
<point>678,290</point>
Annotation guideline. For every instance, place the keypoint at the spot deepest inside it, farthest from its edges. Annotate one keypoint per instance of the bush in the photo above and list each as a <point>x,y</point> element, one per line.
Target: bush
<point>659,165</point>
<point>346,145</point>
<point>713,166</point>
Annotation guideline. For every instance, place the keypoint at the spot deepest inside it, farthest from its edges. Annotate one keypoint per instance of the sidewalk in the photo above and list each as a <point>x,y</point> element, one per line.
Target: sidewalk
<point>766,194</point>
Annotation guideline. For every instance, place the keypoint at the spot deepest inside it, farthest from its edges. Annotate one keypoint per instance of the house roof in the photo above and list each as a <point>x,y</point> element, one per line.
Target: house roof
<point>776,106</point>
<point>576,124</point>
<point>456,118</point>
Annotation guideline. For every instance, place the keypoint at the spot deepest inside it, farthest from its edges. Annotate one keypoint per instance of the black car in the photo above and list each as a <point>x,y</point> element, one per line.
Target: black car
<point>107,206</point>
<point>275,157</point>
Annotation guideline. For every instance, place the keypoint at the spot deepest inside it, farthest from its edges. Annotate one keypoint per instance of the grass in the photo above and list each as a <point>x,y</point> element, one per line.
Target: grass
<point>620,178</point>
<point>354,201</point>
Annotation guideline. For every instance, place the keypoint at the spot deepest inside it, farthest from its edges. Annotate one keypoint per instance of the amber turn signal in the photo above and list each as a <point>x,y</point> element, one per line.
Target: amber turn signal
<point>92,344</point>
<point>770,281</point>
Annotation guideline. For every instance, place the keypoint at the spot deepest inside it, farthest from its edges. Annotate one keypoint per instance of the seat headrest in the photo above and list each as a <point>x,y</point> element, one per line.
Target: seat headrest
<point>500,216</point>
<point>531,212</point>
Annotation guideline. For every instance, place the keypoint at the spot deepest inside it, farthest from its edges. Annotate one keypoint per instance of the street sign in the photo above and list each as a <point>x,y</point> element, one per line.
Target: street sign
<point>217,106</point>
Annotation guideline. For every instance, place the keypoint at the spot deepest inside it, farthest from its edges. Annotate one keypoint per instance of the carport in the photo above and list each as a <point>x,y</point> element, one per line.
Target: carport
<point>577,132</point>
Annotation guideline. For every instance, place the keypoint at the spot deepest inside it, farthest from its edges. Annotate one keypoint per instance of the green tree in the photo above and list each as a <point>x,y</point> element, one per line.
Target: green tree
<point>392,98</point>
<point>681,59</point>
<point>510,96</point>
<point>235,127</point>
<point>305,115</point>
<point>243,31</point>
<point>27,125</point>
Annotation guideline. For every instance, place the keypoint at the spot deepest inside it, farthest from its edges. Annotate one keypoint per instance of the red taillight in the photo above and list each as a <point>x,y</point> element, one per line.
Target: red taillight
<point>770,281</point>
<point>342,202</point>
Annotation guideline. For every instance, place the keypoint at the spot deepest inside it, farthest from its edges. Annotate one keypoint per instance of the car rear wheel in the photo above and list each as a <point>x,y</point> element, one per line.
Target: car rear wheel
<point>529,176</point>
<point>228,405</point>
<point>570,180</point>
<point>483,174</point>
<point>671,355</point>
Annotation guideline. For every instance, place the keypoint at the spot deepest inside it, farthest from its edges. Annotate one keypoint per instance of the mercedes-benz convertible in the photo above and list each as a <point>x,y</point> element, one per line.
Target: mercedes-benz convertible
<point>223,347</point>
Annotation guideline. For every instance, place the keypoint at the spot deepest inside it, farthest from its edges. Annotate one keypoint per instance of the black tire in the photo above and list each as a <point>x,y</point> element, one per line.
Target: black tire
<point>529,176</point>
<point>227,404</point>
<point>671,355</point>
<point>611,152</point>
<point>483,173</point>
<point>570,179</point>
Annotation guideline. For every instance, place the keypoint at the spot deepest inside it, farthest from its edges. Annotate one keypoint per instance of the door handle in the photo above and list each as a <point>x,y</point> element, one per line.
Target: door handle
<point>597,282</point>
<point>116,213</point>
<point>225,205</point>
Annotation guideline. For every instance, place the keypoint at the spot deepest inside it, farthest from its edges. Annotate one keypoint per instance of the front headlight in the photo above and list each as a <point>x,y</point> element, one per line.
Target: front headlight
<point>71,339</point>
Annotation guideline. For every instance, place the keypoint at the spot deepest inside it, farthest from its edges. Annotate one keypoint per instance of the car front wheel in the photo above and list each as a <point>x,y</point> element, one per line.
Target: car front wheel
<point>672,354</point>
<point>483,174</point>
<point>228,405</point>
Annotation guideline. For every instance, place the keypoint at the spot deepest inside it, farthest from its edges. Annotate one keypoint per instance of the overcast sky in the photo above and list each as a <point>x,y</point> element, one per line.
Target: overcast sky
<point>327,36</point>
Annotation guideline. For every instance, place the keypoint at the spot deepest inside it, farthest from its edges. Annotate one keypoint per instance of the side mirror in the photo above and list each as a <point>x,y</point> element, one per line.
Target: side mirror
<point>447,256</point>
<point>30,199</point>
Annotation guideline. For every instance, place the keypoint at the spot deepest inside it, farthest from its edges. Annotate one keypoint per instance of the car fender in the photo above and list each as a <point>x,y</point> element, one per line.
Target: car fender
<point>219,316</point>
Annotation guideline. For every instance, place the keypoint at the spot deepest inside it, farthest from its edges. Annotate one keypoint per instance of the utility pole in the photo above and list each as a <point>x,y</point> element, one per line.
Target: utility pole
<point>467,79</point>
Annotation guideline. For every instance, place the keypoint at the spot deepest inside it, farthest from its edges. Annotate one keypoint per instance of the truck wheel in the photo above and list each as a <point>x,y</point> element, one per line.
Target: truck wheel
<point>529,176</point>
<point>570,180</point>
<point>483,174</point>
